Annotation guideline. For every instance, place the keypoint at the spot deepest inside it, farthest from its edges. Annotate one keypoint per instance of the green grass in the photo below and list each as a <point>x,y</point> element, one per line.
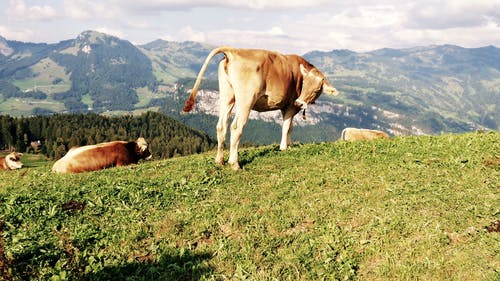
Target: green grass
<point>412,208</point>
<point>145,96</point>
<point>45,72</point>
<point>24,107</point>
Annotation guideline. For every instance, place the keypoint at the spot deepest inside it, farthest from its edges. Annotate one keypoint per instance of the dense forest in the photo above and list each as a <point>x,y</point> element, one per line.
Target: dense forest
<point>58,133</point>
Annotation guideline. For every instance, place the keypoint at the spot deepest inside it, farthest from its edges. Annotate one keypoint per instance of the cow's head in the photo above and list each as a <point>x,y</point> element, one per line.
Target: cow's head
<point>142,149</point>
<point>13,160</point>
<point>313,84</point>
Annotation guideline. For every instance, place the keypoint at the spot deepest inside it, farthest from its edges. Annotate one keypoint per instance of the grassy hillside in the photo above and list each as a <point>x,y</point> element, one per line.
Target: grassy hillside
<point>413,208</point>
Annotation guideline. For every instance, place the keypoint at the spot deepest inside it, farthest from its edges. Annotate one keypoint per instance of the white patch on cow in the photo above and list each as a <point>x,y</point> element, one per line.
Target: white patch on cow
<point>78,150</point>
<point>62,164</point>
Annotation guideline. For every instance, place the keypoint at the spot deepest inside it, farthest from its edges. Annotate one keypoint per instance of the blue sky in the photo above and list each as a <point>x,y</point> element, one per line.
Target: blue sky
<point>290,26</point>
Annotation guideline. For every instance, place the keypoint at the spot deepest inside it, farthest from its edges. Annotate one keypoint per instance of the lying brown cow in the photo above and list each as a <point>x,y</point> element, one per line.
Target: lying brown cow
<point>103,155</point>
<point>354,134</point>
<point>11,161</point>
<point>263,81</point>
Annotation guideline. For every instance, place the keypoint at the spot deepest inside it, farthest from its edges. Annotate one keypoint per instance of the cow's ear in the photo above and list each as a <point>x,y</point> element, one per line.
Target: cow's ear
<point>303,70</point>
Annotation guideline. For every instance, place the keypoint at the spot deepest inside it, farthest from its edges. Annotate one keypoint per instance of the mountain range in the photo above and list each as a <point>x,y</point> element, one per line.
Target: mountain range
<point>421,90</point>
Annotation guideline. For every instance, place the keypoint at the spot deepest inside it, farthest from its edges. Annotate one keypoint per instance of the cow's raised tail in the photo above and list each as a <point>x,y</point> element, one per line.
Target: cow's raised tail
<point>188,106</point>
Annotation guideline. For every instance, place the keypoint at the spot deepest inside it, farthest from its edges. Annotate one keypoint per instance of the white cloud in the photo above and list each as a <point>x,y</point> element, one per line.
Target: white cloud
<point>76,10</point>
<point>91,10</point>
<point>110,31</point>
<point>285,25</point>
<point>368,17</point>
<point>360,28</point>
<point>22,34</point>
<point>276,31</point>
<point>487,34</point>
<point>188,34</point>
<point>239,4</point>
<point>274,38</point>
<point>19,10</point>
<point>369,27</point>
<point>275,4</point>
<point>452,14</point>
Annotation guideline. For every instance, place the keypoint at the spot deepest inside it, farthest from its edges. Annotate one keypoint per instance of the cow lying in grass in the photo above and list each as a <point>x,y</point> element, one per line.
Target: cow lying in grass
<point>263,81</point>
<point>101,156</point>
<point>354,134</point>
<point>11,161</point>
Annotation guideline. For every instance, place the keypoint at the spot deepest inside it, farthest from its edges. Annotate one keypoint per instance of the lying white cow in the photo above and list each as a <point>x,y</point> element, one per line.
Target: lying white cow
<point>354,134</point>
<point>263,81</point>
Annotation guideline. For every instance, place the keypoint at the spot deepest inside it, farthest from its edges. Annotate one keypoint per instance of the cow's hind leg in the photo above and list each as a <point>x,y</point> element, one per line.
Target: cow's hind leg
<point>226,103</point>
<point>224,113</point>
<point>240,119</point>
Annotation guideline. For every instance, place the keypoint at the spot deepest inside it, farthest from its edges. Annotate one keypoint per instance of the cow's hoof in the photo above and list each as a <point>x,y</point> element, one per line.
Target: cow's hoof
<point>219,161</point>
<point>235,166</point>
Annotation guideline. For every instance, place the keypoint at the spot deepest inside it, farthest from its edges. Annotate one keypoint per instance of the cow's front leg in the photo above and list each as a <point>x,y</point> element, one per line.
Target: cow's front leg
<point>286,134</point>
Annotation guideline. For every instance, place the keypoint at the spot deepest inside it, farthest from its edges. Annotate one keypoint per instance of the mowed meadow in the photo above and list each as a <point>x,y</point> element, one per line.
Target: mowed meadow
<point>411,208</point>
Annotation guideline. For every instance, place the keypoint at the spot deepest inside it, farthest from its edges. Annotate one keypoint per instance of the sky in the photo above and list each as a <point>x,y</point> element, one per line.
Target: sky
<point>288,26</point>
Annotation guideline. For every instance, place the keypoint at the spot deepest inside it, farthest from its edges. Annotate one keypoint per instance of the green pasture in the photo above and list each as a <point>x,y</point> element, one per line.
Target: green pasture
<point>411,208</point>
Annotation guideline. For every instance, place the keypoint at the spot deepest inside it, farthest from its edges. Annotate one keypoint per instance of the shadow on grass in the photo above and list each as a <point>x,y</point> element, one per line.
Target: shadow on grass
<point>248,156</point>
<point>174,265</point>
<point>185,266</point>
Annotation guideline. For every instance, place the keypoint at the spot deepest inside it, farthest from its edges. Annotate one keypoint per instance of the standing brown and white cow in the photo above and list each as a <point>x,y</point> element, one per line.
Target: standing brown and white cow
<point>102,155</point>
<point>11,161</point>
<point>354,134</point>
<point>260,80</point>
